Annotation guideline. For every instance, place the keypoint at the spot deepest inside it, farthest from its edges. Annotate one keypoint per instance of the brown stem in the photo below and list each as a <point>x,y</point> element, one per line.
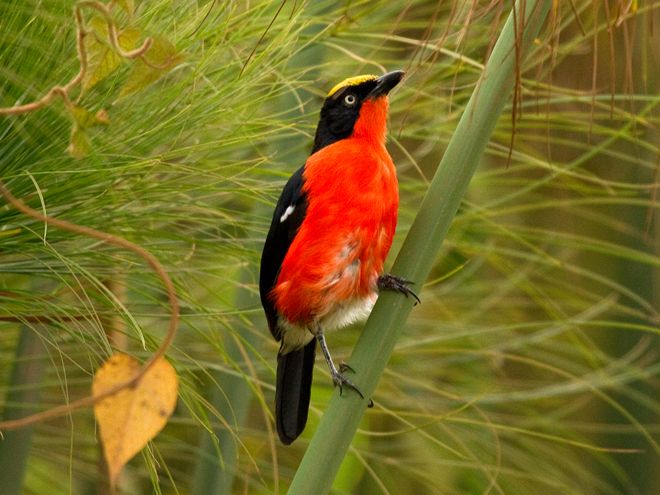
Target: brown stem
<point>35,105</point>
<point>62,91</point>
<point>81,32</point>
<point>104,10</point>
<point>122,243</point>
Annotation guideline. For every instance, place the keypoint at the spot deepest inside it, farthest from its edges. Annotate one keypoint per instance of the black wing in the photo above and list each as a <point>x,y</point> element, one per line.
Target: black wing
<point>287,218</point>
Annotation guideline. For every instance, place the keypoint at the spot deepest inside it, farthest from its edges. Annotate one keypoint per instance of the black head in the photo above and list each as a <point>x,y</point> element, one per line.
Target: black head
<point>341,108</point>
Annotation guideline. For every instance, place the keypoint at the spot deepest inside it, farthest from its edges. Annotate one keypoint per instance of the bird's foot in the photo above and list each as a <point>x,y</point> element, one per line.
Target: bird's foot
<point>341,381</point>
<point>338,378</point>
<point>345,367</point>
<point>387,281</point>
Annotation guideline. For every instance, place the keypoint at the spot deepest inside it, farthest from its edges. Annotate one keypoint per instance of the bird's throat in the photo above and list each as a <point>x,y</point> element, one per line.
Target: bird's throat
<point>372,122</point>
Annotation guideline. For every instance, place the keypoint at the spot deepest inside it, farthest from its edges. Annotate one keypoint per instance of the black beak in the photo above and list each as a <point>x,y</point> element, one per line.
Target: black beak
<point>385,83</point>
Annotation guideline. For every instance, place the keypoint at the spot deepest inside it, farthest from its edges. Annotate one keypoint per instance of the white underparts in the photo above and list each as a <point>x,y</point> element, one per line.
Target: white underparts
<point>287,213</point>
<point>348,313</point>
<point>295,337</point>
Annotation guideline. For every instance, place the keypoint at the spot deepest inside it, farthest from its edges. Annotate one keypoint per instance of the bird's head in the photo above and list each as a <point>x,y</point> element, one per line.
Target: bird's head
<point>357,106</point>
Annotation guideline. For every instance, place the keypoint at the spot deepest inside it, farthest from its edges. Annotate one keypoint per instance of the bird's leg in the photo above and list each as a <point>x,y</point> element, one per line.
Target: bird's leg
<point>338,379</point>
<point>387,281</point>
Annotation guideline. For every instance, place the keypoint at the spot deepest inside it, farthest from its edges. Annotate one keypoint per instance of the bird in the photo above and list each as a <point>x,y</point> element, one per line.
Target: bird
<point>331,230</point>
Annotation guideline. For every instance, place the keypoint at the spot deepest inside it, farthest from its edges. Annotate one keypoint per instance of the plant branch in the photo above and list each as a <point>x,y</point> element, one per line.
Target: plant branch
<point>151,260</point>
<point>113,36</point>
<point>81,32</point>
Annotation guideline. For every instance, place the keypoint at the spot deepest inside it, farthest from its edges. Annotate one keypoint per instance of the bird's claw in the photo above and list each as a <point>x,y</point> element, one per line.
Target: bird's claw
<point>387,281</point>
<point>345,367</point>
<point>341,381</point>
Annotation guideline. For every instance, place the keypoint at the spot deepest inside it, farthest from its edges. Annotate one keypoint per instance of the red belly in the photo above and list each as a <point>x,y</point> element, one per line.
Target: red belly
<point>338,253</point>
<point>324,275</point>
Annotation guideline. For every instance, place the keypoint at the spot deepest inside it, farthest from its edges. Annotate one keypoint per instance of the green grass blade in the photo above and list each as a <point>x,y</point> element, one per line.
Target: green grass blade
<point>213,475</point>
<point>330,443</point>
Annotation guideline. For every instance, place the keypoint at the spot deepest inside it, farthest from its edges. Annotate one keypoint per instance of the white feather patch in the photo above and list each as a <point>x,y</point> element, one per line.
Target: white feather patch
<point>287,213</point>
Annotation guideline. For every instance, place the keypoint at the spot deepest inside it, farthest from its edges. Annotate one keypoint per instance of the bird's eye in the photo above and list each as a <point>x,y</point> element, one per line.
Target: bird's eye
<point>349,99</point>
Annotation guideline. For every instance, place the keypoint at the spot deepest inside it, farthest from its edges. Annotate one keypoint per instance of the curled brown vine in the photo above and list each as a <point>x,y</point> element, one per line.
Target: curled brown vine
<point>81,33</point>
<point>119,242</point>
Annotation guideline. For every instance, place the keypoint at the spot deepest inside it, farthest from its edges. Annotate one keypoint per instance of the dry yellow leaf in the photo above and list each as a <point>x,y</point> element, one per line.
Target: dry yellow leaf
<point>130,418</point>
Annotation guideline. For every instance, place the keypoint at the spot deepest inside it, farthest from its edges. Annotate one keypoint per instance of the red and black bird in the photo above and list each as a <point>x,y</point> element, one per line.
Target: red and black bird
<point>322,263</point>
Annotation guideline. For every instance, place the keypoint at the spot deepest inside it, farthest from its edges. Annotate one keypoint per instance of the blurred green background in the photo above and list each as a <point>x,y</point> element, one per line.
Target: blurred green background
<point>530,367</point>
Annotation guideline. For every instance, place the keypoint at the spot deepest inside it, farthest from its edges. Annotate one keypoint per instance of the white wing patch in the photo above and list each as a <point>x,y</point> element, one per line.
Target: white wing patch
<point>287,213</point>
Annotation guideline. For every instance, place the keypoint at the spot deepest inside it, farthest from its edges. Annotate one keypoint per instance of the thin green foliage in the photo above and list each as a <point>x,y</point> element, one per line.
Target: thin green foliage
<point>530,365</point>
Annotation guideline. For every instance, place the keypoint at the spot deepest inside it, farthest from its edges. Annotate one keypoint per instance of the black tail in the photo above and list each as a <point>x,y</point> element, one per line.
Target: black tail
<point>294,384</point>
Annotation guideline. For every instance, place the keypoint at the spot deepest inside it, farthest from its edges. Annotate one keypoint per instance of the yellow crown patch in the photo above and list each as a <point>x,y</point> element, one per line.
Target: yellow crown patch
<point>351,81</point>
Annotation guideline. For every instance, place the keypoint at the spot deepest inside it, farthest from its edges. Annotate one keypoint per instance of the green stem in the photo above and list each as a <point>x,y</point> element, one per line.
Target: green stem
<point>330,443</point>
<point>21,400</point>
